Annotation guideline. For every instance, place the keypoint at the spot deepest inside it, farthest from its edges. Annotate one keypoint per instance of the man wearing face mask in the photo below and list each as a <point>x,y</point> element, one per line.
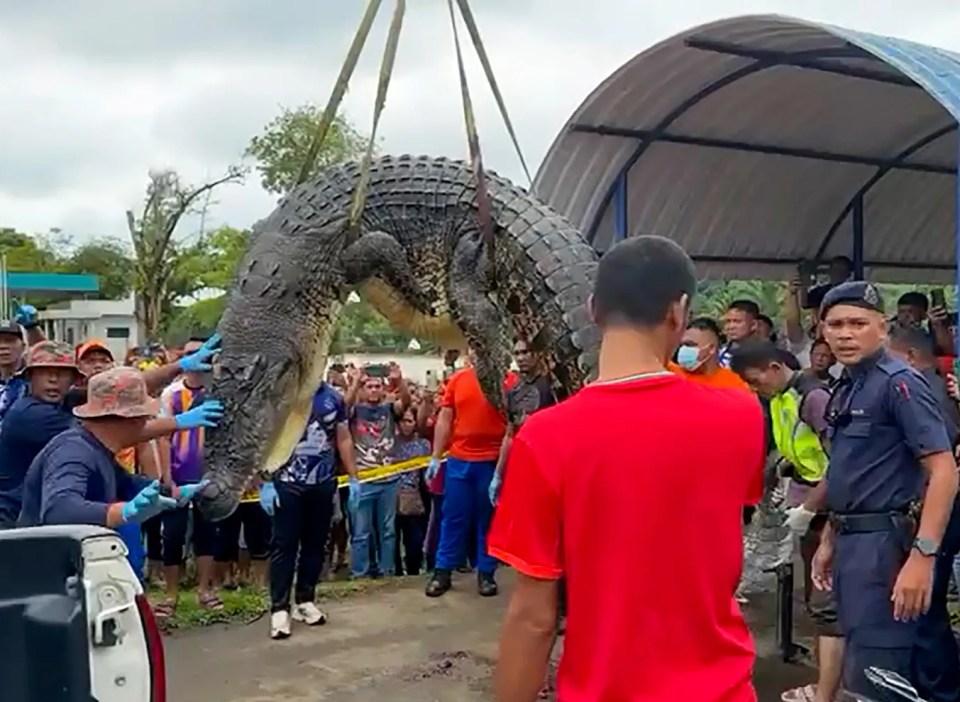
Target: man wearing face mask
<point>698,360</point>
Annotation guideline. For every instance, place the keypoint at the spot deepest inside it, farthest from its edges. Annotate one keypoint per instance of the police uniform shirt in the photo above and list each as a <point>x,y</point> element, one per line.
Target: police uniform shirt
<point>884,418</point>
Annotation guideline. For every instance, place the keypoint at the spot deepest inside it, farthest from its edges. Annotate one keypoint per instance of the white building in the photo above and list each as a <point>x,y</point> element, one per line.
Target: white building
<point>76,321</point>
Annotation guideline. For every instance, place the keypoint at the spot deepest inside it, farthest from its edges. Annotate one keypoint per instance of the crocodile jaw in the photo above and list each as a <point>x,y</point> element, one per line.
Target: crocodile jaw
<point>290,430</point>
<point>439,328</point>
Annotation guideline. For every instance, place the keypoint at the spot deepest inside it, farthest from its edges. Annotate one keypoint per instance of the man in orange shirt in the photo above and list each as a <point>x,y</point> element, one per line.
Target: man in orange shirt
<point>473,429</point>
<point>698,357</point>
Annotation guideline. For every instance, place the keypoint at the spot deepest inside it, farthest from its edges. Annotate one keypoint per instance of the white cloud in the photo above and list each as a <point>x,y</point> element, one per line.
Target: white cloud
<point>103,91</point>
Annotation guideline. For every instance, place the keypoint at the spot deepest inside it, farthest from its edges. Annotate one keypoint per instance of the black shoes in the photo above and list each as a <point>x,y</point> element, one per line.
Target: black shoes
<point>486,585</point>
<point>439,583</point>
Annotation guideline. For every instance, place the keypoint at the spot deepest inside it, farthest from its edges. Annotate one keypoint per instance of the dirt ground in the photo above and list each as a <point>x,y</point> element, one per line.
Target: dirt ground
<point>392,644</point>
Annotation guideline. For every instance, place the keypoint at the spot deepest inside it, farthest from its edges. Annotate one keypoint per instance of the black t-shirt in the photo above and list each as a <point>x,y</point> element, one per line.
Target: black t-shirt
<point>528,396</point>
<point>815,296</point>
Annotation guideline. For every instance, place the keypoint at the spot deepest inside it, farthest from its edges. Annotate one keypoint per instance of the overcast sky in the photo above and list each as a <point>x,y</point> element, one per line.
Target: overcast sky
<point>93,94</point>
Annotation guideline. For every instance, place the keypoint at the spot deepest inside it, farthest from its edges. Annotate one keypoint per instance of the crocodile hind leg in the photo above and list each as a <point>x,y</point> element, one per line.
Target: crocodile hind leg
<point>486,326</point>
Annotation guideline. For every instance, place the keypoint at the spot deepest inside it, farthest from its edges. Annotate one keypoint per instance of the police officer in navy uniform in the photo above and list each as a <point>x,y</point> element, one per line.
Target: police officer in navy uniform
<point>891,485</point>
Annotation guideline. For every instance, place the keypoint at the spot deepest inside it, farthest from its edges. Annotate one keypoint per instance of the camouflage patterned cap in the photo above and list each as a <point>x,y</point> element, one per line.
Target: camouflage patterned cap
<point>50,354</point>
<point>118,392</point>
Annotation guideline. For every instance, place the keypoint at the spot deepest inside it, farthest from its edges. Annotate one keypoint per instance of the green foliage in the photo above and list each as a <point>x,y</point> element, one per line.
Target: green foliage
<point>281,148</point>
<point>111,260</point>
<point>106,257</point>
<point>246,605</point>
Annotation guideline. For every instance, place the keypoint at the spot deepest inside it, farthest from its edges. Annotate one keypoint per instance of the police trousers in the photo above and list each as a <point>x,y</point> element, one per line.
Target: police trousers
<point>865,568</point>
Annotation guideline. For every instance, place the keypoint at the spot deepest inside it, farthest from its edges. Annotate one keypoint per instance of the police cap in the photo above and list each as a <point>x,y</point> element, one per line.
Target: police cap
<point>857,293</point>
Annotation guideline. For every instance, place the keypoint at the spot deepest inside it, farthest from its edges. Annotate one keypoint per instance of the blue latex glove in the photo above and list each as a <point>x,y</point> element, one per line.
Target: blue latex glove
<point>432,469</point>
<point>26,316</point>
<point>494,490</point>
<point>207,414</point>
<point>269,499</point>
<point>353,501</point>
<point>188,492</point>
<point>198,361</point>
<point>148,503</point>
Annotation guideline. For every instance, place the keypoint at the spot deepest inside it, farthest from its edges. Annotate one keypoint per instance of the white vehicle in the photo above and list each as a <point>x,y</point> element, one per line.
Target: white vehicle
<point>75,623</point>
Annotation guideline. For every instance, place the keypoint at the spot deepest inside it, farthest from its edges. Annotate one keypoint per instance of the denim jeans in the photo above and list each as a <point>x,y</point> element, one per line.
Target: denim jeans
<point>375,516</point>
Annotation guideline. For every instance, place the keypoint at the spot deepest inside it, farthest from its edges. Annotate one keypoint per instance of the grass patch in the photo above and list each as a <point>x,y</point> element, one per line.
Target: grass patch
<point>246,605</point>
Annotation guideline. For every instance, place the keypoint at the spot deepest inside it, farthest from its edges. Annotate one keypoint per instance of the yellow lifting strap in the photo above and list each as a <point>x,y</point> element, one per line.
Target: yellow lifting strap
<point>386,71</point>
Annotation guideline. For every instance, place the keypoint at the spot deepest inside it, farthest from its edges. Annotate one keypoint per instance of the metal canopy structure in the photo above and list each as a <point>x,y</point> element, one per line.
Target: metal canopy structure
<point>760,141</point>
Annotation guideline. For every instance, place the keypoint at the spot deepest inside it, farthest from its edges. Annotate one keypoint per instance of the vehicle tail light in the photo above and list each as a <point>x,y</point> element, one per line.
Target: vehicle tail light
<point>158,671</point>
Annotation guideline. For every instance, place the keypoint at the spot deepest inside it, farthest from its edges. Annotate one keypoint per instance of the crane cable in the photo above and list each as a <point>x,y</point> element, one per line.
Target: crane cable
<point>386,71</point>
<point>339,90</point>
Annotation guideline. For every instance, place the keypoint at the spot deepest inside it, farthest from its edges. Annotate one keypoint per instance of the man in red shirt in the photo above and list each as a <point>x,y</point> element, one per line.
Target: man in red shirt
<point>633,442</point>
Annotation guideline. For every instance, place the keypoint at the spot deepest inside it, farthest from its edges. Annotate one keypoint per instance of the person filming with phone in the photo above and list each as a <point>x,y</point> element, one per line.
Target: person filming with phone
<point>373,424</point>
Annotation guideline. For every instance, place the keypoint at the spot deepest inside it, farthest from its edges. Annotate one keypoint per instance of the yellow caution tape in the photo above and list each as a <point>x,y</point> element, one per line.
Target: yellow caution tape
<point>368,475</point>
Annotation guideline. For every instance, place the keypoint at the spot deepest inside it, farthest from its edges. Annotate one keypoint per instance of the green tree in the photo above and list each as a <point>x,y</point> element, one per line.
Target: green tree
<point>110,260</point>
<point>161,277</point>
<point>26,253</point>
<point>281,148</point>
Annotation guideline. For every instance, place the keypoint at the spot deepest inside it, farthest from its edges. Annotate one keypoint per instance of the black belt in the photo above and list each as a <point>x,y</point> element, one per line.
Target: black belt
<point>868,522</point>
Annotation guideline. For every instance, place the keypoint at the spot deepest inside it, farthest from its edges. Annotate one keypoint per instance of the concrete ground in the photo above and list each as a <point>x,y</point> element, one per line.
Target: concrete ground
<point>391,644</point>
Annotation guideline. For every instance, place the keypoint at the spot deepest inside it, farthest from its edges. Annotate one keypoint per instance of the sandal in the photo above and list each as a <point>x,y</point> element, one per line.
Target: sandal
<point>807,693</point>
<point>210,602</point>
<point>164,609</point>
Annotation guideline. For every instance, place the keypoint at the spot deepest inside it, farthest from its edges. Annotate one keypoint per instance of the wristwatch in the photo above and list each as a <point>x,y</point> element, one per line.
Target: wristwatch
<point>926,547</point>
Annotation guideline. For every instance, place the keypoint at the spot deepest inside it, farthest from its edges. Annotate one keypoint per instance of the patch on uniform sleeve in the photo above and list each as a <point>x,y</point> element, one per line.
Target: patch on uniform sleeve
<point>902,389</point>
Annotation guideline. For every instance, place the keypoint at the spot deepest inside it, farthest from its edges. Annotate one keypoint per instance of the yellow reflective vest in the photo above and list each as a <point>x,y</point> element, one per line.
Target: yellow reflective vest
<point>797,441</point>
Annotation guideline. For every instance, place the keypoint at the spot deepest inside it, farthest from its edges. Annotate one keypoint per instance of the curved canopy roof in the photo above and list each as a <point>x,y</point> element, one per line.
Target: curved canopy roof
<point>749,141</point>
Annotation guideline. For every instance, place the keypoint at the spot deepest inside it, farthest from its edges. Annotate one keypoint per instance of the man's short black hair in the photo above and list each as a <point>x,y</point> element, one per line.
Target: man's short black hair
<point>198,339</point>
<point>914,298</point>
<point>746,306</point>
<point>708,325</point>
<point>907,338</point>
<point>755,353</point>
<point>639,278</point>
<point>845,260</point>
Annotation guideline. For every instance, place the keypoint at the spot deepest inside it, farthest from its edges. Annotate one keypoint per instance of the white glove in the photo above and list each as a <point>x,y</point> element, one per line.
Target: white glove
<point>798,519</point>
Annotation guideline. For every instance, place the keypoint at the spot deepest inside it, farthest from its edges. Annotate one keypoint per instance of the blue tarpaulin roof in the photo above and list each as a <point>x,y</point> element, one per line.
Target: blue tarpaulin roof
<point>749,140</point>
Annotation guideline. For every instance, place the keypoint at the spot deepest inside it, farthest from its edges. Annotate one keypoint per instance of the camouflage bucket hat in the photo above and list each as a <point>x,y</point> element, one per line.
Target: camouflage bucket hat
<point>118,392</point>
<point>50,354</point>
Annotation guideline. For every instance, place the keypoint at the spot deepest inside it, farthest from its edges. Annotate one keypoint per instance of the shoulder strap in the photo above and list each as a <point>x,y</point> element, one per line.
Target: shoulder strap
<point>804,384</point>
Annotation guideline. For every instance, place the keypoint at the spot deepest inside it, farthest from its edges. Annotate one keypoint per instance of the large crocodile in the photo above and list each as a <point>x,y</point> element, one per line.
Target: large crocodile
<point>420,258</point>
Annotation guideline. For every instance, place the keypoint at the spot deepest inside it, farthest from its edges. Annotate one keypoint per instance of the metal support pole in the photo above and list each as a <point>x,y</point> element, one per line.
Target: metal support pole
<point>620,226</point>
<point>858,238</point>
<point>956,223</point>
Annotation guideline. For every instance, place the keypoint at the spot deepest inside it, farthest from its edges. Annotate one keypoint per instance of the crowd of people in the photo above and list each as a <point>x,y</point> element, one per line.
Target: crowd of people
<point>849,405</point>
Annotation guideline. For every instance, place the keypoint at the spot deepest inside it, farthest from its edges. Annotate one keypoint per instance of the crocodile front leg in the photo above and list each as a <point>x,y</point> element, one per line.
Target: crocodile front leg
<point>486,328</point>
<point>376,254</point>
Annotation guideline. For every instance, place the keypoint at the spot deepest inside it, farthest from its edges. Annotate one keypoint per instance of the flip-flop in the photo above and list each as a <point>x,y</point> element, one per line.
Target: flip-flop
<point>165,609</point>
<point>210,602</point>
<point>807,693</point>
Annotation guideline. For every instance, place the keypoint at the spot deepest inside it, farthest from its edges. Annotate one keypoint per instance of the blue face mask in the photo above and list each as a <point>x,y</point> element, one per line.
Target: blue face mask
<point>688,357</point>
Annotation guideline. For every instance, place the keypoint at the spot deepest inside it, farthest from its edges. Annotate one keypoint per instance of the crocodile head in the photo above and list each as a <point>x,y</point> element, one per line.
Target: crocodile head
<point>276,331</point>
